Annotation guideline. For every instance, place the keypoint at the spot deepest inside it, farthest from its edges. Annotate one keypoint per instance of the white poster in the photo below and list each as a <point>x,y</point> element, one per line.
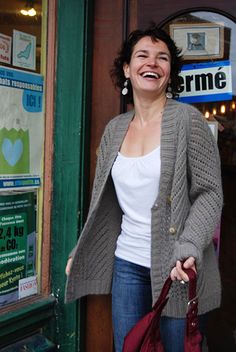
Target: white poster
<point>24,50</point>
<point>5,48</point>
<point>21,129</point>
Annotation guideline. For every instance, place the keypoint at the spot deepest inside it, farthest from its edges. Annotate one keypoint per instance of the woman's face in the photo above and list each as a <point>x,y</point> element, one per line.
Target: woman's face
<point>149,67</point>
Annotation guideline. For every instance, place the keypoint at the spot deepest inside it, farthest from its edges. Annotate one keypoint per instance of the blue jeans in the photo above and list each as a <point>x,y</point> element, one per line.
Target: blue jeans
<point>132,299</point>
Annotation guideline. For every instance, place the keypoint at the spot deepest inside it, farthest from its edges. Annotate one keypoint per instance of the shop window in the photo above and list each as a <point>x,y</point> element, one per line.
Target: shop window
<point>207,41</point>
<point>21,147</point>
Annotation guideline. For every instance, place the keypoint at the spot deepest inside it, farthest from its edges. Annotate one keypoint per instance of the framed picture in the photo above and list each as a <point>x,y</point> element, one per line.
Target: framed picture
<point>199,41</point>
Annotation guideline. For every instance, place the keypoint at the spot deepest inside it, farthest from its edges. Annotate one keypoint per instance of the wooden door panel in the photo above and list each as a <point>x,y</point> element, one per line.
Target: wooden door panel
<point>108,17</point>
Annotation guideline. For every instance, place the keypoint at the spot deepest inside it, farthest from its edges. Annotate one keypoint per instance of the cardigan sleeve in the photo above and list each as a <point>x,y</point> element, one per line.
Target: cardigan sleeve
<point>100,168</point>
<point>205,191</point>
<point>101,164</point>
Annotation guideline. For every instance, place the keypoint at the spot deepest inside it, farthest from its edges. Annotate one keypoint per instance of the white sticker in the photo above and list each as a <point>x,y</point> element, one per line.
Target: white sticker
<point>28,286</point>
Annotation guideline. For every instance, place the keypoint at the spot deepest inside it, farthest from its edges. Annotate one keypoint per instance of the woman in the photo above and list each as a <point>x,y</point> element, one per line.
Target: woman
<point>156,198</point>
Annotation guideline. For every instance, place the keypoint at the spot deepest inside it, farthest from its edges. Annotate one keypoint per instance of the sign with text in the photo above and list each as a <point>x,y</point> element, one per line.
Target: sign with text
<point>28,286</point>
<point>17,243</point>
<point>21,128</point>
<point>205,82</point>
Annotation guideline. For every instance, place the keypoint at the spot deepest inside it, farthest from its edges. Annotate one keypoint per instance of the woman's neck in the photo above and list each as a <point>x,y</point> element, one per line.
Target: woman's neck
<point>147,111</point>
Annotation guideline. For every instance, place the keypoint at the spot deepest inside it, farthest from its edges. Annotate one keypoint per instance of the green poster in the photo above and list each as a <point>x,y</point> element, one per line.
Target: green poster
<point>17,243</point>
<point>14,152</point>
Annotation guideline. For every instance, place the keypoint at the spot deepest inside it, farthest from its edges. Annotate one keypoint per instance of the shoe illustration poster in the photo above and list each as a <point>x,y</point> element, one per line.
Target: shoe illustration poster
<point>21,129</point>
<point>24,50</point>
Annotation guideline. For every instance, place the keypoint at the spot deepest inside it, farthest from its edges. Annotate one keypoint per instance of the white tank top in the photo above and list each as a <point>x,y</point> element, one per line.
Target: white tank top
<point>136,181</point>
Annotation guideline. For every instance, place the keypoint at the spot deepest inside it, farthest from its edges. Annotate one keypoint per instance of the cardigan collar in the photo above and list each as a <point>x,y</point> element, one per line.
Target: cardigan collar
<point>167,147</point>
<point>122,125</point>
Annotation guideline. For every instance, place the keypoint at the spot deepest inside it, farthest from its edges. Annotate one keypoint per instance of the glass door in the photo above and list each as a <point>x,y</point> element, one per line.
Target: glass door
<point>207,40</point>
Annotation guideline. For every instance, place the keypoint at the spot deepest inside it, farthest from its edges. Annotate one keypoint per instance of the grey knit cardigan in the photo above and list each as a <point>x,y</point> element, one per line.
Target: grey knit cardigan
<point>183,217</point>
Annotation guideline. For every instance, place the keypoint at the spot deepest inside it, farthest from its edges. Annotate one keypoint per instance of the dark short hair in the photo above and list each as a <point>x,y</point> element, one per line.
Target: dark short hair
<point>124,56</point>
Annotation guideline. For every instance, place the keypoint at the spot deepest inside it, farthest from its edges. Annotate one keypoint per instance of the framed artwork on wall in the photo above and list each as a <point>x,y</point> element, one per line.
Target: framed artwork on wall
<point>199,41</point>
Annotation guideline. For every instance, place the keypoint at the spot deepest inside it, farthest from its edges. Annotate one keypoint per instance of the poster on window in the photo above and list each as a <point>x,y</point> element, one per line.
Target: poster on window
<point>5,48</point>
<point>21,129</point>
<point>17,245</point>
<point>24,50</point>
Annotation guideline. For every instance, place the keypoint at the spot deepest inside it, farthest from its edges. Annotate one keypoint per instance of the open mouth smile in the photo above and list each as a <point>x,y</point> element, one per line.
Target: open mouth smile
<point>150,74</point>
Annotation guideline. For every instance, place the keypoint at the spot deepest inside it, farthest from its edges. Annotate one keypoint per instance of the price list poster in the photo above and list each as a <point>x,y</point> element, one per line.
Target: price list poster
<point>17,247</point>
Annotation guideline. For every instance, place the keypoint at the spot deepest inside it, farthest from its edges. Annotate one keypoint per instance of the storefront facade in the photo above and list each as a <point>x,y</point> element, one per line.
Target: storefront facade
<point>75,43</point>
<point>48,62</point>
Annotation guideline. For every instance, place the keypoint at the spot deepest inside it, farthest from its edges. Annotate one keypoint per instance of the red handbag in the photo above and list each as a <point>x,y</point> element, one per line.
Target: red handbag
<point>145,335</point>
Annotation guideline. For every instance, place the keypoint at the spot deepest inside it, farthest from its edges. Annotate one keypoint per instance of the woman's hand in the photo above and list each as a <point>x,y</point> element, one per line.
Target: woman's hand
<point>68,266</point>
<point>177,272</point>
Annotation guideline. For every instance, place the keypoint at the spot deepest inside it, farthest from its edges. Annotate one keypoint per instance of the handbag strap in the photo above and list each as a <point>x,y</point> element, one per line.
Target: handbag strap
<point>191,316</point>
<point>192,307</point>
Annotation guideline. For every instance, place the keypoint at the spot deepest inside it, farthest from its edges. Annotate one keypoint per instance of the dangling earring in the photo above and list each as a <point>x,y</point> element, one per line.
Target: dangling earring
<point>125,89</point>
<point>169,94</point>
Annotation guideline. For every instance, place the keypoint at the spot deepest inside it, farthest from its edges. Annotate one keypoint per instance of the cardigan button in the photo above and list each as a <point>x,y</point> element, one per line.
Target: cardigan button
<point>169,199</point>
<point>172,230</point>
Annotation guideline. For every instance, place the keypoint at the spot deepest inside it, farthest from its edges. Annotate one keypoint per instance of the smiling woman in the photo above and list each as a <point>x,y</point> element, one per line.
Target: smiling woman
<point>149,69</point>
<point>167,51</point>
<point>149,74</point>
<point>147,214</point>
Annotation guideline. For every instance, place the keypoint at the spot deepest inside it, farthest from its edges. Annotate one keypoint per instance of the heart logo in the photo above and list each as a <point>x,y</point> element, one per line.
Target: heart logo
<point>12,151</point>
